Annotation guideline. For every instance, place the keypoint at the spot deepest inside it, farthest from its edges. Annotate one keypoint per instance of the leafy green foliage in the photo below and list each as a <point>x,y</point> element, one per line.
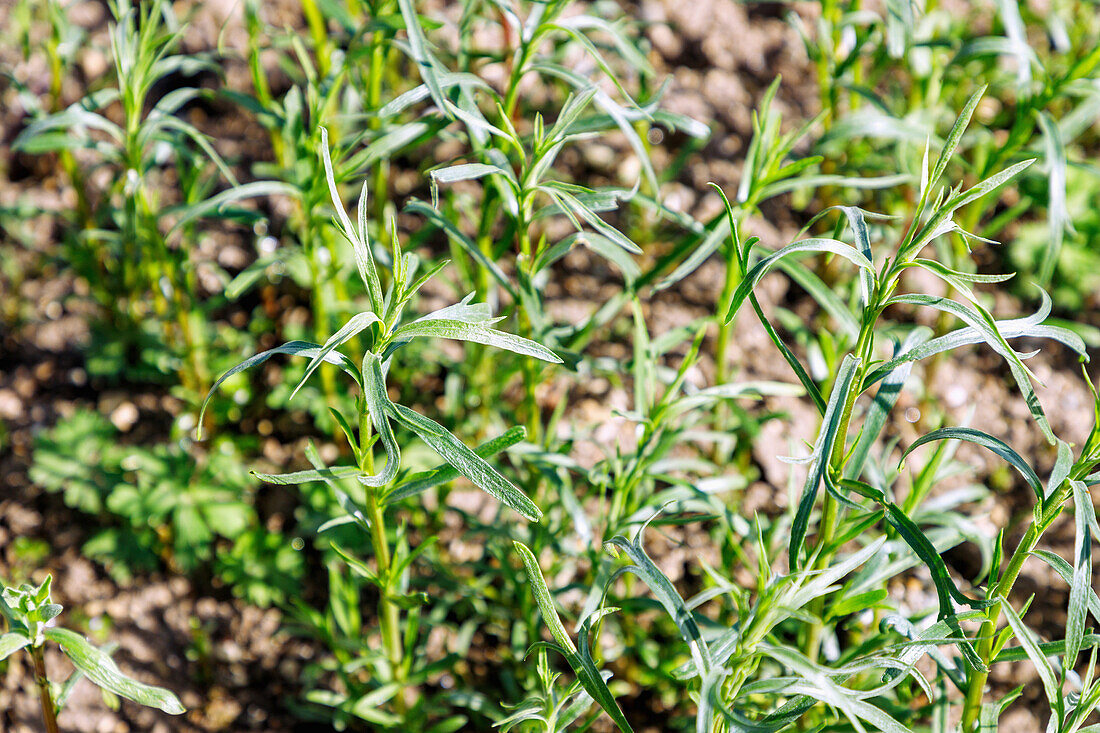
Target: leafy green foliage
<point>431,602</point>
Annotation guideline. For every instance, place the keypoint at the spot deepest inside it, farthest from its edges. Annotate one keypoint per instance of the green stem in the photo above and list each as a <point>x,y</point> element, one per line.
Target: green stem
<point>389,619</point>
<point>319,30</point>
<point>986,636</point>
<point>831,510</point>
<point>45,696</point>
<point>725,330</point>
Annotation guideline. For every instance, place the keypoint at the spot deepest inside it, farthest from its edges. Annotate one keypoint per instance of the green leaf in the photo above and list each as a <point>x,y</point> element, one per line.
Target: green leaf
<point>978,318</point>
<point>953,137</point>
<point>303,477</point>
<point>583,665</point>
<point>1009,329</point>
<point>576,209</point>
<point>364,260</point>
<point>823,450</point>
<point>458,237</point>
<point>930,556</point>
<point>421,482</point>
<point>817,684</point>
<point>666,595</point>
<point>885,399</point>
<point>1081,582</point>
<point>477,333</point>
<point>1058,218</point>
<point>418,45</point>
<point>468,463</point>
<point>985,440</point>
<point>1035,654</point>
<point>379,406</point>
<point>101,669</point>
<point>959,280</point>
<point>355,325</point>
<point>858,224</point>
<point>218,202</point>
<point>294,348</point>
<point>12,642</point>
<point>350,507</point>
<point>858,602</point>
<point>804,246</point>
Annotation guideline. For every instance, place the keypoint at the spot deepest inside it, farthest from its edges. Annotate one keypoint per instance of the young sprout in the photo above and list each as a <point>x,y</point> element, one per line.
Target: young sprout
<point>29,612</point>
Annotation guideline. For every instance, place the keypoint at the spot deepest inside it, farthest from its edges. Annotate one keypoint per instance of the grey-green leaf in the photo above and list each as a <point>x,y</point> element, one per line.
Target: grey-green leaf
<point>356,324</point>
<point>761,268</point>
<point>477,333</point>
<point>12,642</point>
<point>985,440</point>
<point>583,665</point>
<point>101,669</point>
<point>823,450</point>
<point>469,464</point>
<point>293,348</point>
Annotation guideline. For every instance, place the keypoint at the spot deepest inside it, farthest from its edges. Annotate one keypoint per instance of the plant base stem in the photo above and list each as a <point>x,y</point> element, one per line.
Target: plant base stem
<point>49,716</point>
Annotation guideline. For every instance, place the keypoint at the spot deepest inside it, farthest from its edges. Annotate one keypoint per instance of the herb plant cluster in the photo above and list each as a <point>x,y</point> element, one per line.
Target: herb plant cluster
<point>462,550</point>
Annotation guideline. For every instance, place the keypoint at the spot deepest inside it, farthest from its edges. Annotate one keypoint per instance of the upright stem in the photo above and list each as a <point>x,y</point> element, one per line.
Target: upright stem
<point>725,330</point>
<point>831,511</point>
<point>976,685</point>
<point>44,694</point>
<point>388,616</point>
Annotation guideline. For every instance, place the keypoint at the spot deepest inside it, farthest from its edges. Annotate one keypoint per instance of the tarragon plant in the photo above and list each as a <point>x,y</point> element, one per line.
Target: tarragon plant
<point>30,612</point>
<point>797,650</point>
<point>383,332</point>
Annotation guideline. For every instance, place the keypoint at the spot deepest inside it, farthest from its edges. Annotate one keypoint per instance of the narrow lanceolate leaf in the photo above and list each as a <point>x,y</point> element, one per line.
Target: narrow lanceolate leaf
<point>380,407</point>
<point>1058,218</point>
<point>1065,572</point>
<point>858,224</point>
<point>1081,582</point>
<point>477,333</point>
<point>356,324</point>
<point>346,502</point>
<point>293,348</point>
<point>980,319</point>
<point>421,482</point>
<point>930,556</point>
<point>1035,654</point>
<point>1009,329</point>
<point>934,226</point>
<point>959,280</point>
<point>468,463</point>
<point>101,669</point>
<point>985,440</point>
<point>219,201</point>
<point>883,404</point>
<point>364,260</point>
<point>1062,466</point>
<point>303,477</point>
<point>754,275</point>
<point>817,683</point>
<point>667,596</point>
<point>823,449</point>
<point>12,642</point>
<point>421,54</point>
<point>584,666</point>
<point>953,137</point>
<point>458,237</point>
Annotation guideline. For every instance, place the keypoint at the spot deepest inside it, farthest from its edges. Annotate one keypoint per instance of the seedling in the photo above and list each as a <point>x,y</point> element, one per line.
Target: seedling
<point>30,614</point>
